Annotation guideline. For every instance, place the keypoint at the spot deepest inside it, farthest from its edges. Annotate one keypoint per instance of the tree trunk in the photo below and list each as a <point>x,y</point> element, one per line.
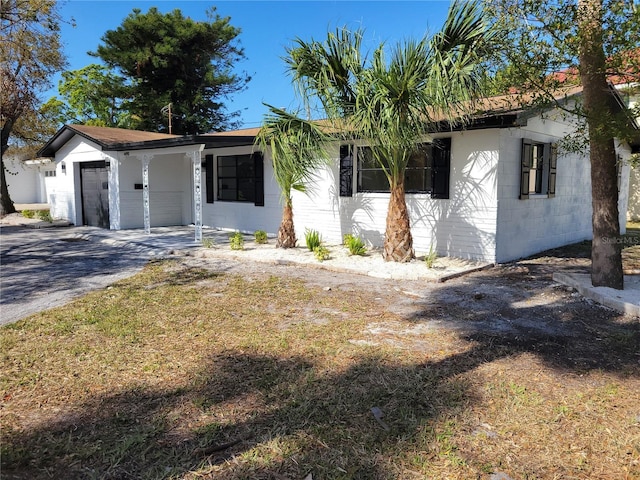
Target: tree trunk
<point>6,204</point>
<point>606,259</point>
<point>398,242</point>
<point>286,232</point>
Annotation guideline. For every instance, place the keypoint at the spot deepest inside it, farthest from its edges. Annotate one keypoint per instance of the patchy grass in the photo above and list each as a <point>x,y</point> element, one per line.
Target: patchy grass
<point>185,373</point>
<point>631,247</point>
<point>576,252</point>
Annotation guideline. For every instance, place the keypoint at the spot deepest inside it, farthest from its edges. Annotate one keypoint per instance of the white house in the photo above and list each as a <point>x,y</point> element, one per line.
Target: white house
<point>629,93</point>
<point>496,191</point>
<point>29,180</point>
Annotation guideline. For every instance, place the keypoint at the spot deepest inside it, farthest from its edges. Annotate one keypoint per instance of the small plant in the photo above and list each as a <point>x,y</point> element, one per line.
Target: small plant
<point>430,257</point>
<point>355,246</point>
<point>44,215</point>
<point>346,238</point>
<point>28,213</point>
<point>321,253</point>
<point>312,239</point>
<point>236,241</point>
<point>208,242</point>
<point>260,236</point>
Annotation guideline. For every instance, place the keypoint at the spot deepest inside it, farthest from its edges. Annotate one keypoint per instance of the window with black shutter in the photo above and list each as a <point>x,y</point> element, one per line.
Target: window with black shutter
<point>441,170</point>
<point>553,164</point>
<point>236,178</point>
<point>258,168</point>
<point>427,171</point>
<point>346,170</point>
<point>538,164</point>
<point>208,175</point>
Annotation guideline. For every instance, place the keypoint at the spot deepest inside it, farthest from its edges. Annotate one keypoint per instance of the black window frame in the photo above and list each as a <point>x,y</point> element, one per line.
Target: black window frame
<point>252,175</point>
<point>433,164</point>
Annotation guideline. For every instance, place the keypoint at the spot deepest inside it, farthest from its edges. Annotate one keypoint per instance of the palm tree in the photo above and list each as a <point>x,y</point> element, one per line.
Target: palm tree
<point>297,150</point>
<point>393,105</point>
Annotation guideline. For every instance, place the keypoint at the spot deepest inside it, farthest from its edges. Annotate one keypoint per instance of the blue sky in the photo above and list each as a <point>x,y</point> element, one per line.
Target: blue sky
<point>267,28</point>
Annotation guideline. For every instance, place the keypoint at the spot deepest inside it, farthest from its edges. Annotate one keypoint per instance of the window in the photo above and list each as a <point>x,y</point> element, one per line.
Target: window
<point>538,169</point>
<point>240,178</point>
<point>427,170</point>
<point>49,173</point>
<point>371,177</point>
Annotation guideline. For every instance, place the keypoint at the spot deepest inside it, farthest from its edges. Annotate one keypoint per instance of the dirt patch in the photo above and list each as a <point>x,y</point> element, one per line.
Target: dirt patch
<point>218,368</point>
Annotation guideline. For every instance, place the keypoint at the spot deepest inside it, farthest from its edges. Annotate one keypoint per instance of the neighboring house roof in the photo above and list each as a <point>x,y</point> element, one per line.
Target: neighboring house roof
<point>493,112</point>
<point>625,72</point>
<point>246,132</point>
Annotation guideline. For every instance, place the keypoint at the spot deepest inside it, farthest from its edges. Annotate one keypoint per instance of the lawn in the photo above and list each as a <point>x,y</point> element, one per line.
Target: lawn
<point>187,373</point>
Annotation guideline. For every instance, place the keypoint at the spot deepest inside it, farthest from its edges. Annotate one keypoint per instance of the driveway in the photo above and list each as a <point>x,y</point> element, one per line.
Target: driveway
<point>44,268</point>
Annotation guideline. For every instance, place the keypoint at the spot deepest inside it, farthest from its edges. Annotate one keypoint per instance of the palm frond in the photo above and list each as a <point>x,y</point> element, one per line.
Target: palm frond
<point>328,70</point>
<point>392,103</point>
<point>297,149</point>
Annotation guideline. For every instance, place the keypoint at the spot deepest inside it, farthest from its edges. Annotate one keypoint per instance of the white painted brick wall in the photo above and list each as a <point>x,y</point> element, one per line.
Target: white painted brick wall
<point>529,226</point>
<point>463,226</point>
<point>245,217</point>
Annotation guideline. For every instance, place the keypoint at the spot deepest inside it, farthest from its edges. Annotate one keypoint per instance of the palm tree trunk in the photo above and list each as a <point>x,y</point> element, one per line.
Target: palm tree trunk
<point>398,242</point>
<point>286,232</point>
<point>606,259</point>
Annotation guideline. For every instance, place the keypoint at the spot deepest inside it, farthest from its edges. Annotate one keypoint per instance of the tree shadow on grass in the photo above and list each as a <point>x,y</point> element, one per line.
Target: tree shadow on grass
<point>246,404</point>
<point>135,433</point>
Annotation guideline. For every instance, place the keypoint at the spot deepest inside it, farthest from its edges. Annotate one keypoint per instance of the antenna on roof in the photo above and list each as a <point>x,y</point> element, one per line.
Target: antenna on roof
<point>166,110</point>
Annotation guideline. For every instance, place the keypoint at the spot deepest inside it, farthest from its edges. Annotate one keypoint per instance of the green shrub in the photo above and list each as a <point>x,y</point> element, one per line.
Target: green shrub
<point>321,253</point>
<point>44,215</point>
<point>260,236</point>
<point>312,239</point>
<point>236,241</point>
<point>28,213</point>
<point>208,242</point>
<point>430,257</point>
<point>355,246</point>
<point>346,238</point>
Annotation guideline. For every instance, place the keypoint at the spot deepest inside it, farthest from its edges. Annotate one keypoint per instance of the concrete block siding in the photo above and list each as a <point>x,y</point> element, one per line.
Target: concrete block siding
<point>529,226</point>
<point>243,216</point>
<point>463,225</point>
<point>65,194</point>
<point>634,195</point>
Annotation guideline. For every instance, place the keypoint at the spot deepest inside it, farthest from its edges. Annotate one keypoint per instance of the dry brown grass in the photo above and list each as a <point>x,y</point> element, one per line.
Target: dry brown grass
<point>181,372</point>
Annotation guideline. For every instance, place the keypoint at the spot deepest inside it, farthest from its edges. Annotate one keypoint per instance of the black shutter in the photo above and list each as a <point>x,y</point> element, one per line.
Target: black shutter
<point>525,168</point>
<point>258,171</point>
<point>441,168</point>
<point>346,170</point>
<point>208,172</point>
<point>553,163</point>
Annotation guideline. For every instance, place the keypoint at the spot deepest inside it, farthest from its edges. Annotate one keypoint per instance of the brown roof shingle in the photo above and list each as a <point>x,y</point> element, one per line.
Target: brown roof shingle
<point>110,136</point>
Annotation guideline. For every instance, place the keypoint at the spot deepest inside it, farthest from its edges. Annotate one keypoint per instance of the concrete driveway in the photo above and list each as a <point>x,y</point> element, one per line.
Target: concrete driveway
<point>44,268</point>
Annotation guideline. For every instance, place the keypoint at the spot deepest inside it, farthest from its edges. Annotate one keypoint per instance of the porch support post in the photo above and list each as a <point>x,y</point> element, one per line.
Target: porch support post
<point>114,189</point>
<point>197,193</point>
<point>146,158</point>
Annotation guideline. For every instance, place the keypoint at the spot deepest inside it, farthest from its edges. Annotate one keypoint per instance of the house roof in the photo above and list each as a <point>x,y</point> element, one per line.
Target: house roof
<point>120,139</point>
<point>114,136</point>
<point>493,112</point>
<point>106,137</point>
